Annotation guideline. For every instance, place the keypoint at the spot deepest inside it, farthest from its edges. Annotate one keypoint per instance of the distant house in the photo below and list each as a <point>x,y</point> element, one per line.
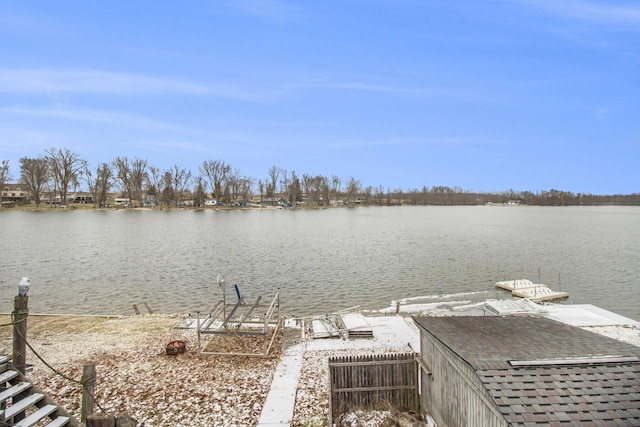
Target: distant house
<point>82,198</point>
<point>524,370</point>
<point>13,194</point>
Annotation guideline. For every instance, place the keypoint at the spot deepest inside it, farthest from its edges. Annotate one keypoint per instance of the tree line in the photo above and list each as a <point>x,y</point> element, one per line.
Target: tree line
<point>58,171</point>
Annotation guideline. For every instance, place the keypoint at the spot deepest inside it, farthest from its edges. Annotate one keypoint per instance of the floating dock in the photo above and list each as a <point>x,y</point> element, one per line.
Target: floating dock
<point>539,293</point>
<point>512,285</point>
<point>523,288</point>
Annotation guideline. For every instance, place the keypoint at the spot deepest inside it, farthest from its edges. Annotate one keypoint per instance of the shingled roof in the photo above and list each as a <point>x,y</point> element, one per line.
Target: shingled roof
<point>539,371</point>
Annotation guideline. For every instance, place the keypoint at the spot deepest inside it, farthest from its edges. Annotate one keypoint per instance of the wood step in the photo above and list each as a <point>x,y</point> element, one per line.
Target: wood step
<point>8,376</point>
<point>16,389</point>
<point>35,417</point>
<point>22,405</point>
<point>3,359</point>
<point>58,422</point>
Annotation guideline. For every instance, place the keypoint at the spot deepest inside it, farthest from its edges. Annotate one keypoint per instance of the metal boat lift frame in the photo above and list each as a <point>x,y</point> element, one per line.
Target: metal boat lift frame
<point>241,319</point>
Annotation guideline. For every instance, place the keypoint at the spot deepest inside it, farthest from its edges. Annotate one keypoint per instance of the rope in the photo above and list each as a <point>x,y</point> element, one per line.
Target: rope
<point>9,324</point>
<point>57,372</point>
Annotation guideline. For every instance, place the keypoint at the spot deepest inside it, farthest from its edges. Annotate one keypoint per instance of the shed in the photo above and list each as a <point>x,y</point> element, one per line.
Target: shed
<point>525,370</point>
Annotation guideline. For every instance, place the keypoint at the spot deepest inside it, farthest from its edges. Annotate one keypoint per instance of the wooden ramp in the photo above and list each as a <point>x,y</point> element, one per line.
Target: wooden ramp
<point>341,325</point>
<point>24,405</point>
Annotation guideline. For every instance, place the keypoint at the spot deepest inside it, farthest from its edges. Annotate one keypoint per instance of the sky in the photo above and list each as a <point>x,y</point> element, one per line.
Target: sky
<point>482,95</point>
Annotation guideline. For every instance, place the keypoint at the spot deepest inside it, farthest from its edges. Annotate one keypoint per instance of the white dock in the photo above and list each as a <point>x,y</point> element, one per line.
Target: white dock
<point>511,285</point>
<point>523,288</point>
<point>539,293</point>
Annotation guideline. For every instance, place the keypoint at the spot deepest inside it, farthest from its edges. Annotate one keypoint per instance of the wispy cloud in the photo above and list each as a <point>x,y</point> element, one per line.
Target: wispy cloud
<point>590,11</point>
<point>112,118</point>
<point>51,81</point>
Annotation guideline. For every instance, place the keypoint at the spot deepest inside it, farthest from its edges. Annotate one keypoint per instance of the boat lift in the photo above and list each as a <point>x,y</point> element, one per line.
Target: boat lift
<point>236,320</point>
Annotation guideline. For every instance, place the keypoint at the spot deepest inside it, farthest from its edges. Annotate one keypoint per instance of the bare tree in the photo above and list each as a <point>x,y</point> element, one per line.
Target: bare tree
<point>245,189</point>
<point>294,193</point>
<point>353,188</point>
<point>168,189</point>
<point>314,187</point>
<point>274,173</point>
<point>123,174</point>
<point>216,171</point>
<point>261,190</point>
<point>100,186</point>
<point>131,175</point>
<point>180,179</point>
<point>335,181</point>
<point>233,188</point>
<point>64,165</point>
<point>307,187</point>
<point>200,191</point>
<point>368,195</point>
<point>284,181</point>
<point>34,173</point>
<point>379,194</point>
<point>156,185</point>
<point>325,190</point>
<point>4,177</point>
<point>138,177</point>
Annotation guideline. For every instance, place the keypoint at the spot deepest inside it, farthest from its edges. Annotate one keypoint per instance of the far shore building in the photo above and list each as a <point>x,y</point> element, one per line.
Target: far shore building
<point>525,370</point>
<point>14,194</point>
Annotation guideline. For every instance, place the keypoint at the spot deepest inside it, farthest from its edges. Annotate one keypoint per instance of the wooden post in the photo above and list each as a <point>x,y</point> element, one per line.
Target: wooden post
<point>101,421</point>
<point>88,388</point>
<point>20,314</point>
<point>198,325</point>
<point>124,420</point>
<point>148,308</point>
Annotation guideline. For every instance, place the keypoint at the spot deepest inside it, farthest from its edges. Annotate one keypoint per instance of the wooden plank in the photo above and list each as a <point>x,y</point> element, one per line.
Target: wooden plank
<point>378,388</point>
<point>16,389</point>
<point>23,404</point>
<point>373,363</point>
<point>58,422</point>
<point>8,376</point>
<point>35,417</point>
<point>365,381</point>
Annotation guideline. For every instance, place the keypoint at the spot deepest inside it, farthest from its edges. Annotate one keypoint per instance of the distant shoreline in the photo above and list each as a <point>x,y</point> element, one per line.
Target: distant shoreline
<point>87,207</point>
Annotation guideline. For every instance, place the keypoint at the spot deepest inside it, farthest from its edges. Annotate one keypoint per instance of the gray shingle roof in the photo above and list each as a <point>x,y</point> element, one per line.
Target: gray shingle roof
<point>557,384</point>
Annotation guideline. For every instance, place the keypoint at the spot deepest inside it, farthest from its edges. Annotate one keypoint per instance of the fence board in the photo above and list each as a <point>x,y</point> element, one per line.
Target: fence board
<point>373,381</point>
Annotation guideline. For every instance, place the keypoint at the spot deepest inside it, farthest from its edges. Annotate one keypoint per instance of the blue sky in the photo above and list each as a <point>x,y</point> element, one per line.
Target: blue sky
<point>482,95</point>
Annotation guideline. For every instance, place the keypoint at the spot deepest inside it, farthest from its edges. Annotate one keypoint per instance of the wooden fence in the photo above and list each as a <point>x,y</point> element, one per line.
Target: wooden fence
<point>372,382</point>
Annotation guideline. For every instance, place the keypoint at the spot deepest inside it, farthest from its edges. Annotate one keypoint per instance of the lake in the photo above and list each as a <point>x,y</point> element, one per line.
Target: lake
<point>321,260</point>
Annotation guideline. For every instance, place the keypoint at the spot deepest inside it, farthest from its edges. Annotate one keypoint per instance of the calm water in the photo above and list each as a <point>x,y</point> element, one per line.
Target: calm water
<point>321,260</point>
